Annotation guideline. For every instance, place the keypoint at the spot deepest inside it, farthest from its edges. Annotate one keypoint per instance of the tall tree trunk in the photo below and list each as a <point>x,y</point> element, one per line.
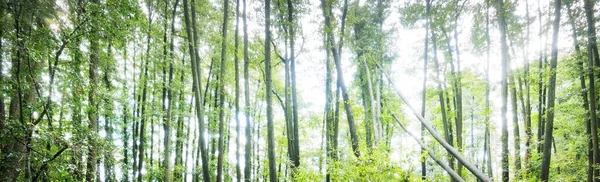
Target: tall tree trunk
<point>93,106</point>
<point>501,13</point>
<point>248,147</point>
<point>540,84</point>
<point>168,124</point>
<point>584,94</point>
<point>108,119</point>
<point>487,157</point>
<point>593,63</point>
<point>237,94</point>
<point>221,109</point>
<point>292,35</point>
<point>545,171</point>
<point>192,42</point>
<point>445,122</point>
<point>269,85</point>
<point>527,107</point>
<point>515,118</point>
<point>125,115</point>
<point>327,13</point>
<point>142,126</point>
<point>329,111</point>
<point>424,91</point>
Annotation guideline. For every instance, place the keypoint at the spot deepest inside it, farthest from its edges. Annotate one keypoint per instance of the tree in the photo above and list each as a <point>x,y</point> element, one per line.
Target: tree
<point>504,50</point>
<point>248,147</point>
<point>424,96</point>
<point>196,72</point>
<point>268,89</point>
<point>221,83</point>
<point>335,51</point>
<point>92,95</point>
<point>545,168</point>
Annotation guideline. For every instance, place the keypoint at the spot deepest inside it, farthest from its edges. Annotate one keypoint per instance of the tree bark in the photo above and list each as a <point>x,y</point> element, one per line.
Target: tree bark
<point>501,13</point>
<point>222,70</point>
<point>445,166</point>
<point>268,83</point>
<point>327,13</point>
<point>435,134</point>
<point>93,106</point>
<point>424,92</point>
<point>192,42</point>
<point>248,147</point>
<point>545,168</point>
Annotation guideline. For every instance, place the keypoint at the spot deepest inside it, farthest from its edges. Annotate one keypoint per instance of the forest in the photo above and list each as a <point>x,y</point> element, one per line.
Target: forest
<point>299,90</point>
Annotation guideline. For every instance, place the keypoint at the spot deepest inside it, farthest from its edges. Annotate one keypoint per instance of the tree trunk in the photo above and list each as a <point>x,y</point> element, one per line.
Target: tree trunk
<point>504,47</point>
<point>327,13</point>
<point>540,86</point>
<point>221,109</point>
<point>487,156</point>
<point>515,119</point>
<point>248,147</point>
<point>269,85</point>
<point>551,96</point>
<point>192,42</point>
<point>447,168</point>
<point>593,63</point>
<point>168,124</point>
<point>424,92</point>
<point>527,107</point>
<point>584,95</point>
<point>92,95</point>
<point>445,122</point>
<point>435,134</point>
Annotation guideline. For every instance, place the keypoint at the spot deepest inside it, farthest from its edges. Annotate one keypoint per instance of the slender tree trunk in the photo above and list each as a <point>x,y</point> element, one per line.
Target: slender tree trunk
<point>248,147</point>
<point>125,115</point>
<point>445,122</point>
<point>168,124</point>
<point>268,82</point>
<point>551,96</point>
<point>501,13</point>
<point>424,91</point>
<point>527,107</point>
<point>108,119</point>
<point>446,167</point>
<point>487,156</point>
<point>142,126</point>
<point>540,85</point>
<point>435,134</point>
<point>584,94</point>
<point>515,119</point>
<point>329,111</point>
<point>327,13</point>
<point>221,109</point>
<point>192,42</point>
<point>593,63</point>
<point>296,142</point>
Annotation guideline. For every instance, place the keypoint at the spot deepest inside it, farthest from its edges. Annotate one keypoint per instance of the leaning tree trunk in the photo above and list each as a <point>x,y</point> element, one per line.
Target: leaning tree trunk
<point>327,13</point>
<point>196,73</point>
